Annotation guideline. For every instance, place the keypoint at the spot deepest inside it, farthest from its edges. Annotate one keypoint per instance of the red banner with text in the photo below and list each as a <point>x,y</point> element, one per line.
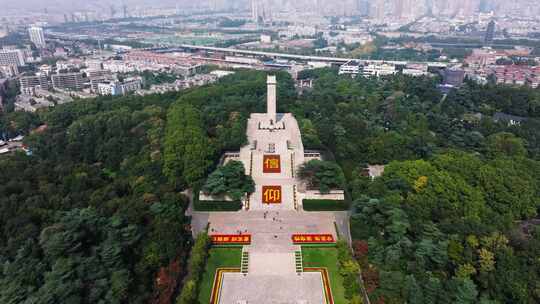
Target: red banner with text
<point>313,239</point>
<point>231,239</point>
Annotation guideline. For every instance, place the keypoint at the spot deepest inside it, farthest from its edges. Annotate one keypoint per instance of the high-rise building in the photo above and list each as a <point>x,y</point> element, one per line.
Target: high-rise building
<point>399,7</point>
<point>71,81</point>
<point>405,9</point>
<point>363,7</point>
<point>470,7</point>
<point>37,37</point>
<point>490,33</point>
<point>379,9</point>
<point>11,57</point>
<point>255,14</point>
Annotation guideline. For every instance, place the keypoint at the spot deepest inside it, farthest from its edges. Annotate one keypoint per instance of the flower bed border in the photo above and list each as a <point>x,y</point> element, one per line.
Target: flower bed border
<point>326,282</point>
<point>218,281</point>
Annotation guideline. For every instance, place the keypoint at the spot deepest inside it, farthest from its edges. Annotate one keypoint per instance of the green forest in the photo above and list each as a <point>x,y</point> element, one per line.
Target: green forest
<point>95,214</point>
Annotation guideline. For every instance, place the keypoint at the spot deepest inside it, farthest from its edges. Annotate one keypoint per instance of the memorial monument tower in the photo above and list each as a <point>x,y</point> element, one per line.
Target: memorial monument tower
<point>271,103</point>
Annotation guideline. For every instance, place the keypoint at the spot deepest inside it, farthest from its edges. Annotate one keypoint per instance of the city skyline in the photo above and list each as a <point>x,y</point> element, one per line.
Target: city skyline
<point>397,8</point>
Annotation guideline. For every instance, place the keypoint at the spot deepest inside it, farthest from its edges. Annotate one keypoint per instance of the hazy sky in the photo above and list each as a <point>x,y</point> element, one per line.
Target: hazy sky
<point>81,5</point>
<point>56,5</point>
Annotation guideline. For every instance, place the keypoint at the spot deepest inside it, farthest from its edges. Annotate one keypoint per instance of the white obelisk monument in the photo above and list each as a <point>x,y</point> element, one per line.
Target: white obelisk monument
<point>271,103</point>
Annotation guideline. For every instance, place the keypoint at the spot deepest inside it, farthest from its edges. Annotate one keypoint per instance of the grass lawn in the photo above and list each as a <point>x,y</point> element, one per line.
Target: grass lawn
<point>326,257</point>
<point>219,257</point>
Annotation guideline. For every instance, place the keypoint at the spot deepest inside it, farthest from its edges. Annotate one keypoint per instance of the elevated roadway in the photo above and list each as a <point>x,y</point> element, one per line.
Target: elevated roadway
<point>336,60</point>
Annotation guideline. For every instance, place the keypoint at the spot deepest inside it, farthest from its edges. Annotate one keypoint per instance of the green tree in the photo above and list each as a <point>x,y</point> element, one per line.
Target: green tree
<point>505,144</point>
<point>230,180</point>
<point>466,291</point>
<point>323,175</point>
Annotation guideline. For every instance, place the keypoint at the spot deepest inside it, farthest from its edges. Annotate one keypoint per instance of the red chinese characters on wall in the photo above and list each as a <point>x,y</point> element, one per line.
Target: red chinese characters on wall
<point>271,164</point>
<point>271,195</point>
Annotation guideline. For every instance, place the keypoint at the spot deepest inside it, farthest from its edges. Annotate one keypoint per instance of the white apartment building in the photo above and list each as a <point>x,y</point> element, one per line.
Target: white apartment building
<point>414,72</point>
<point>379,70</point>
<point>71,81</point>
<point>29,84</point>
<point>11,57</point>
<point>354,67</point>
<point>350,68</point>
<point>109,88</point>
<point>131,85</point>
<point>37,37</point>
<point>115,88</point>
<point>118,66</point>
<point>8,71</point>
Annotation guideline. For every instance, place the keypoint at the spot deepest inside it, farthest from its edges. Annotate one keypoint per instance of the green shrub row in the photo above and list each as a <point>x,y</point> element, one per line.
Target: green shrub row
<point>349,270</point>
<point>325,205</point>
<point>196,264</point>
<point>209,206</point>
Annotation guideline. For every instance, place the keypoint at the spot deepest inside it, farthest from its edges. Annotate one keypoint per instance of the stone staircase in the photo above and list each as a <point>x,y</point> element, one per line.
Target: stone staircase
<point>244,266</point>
<point>299,263</point>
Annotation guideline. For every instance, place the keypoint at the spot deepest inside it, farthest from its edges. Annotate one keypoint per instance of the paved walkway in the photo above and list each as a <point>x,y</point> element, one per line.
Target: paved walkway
<point>278,222</point>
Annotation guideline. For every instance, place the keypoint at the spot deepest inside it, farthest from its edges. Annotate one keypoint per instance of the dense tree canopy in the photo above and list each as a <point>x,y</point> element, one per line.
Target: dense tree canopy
<point>446,222</point>
<point>89,218</point>
<point>96,212</point>
<point>187,146</point>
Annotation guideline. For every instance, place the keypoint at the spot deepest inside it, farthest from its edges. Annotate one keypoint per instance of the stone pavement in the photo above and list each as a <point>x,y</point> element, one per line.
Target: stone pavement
<point>272,277</point>
<point>274,223</point>
<point>306,288</point>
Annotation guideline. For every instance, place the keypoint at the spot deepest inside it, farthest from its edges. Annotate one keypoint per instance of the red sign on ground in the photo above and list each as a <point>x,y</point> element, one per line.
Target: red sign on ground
<point>231,239</point>
<point>313,238</point>
<point>271,164</point>
<point>271,194</point>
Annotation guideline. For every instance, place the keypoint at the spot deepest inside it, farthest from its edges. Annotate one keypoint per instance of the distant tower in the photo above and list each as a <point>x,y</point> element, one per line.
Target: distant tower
<point>490,33</point>
<point>214,5</point>
<point>379,9</point>
<point>271,103</point>
<point>113,11</point>
<point>124,7</point>
<point>255,13</point>
<point>319,9</point>
<point>363,7</point>
<point>399,9</point>
<point>37,36</point>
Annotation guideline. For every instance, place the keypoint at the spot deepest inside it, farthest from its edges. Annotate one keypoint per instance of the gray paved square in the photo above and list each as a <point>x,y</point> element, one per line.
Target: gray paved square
<point>306,288</point>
